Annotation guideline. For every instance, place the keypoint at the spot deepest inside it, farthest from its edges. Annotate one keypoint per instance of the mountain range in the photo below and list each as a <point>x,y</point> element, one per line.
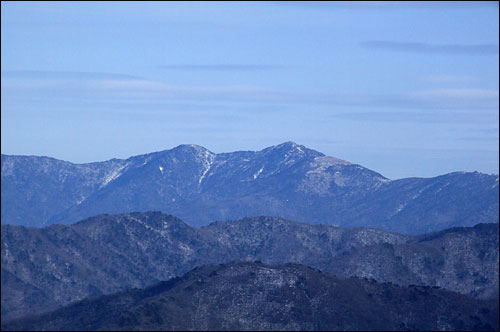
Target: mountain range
<point>254,296</point>
<point>198,186</point>
<point>46,268</point>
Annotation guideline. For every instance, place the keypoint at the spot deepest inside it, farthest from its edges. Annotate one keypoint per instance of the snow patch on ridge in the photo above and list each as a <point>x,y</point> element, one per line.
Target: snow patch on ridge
<point>324,162</point>
<point>256,175</point>
<point>318,180</point>
<point>7,167</point>
<point>399,208</point>
<point>207,160</point>
<point>163,232</point>
<point>112,175</point>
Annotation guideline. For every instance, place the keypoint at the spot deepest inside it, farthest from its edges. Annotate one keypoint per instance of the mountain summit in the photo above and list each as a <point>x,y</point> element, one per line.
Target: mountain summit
<point>199,186</point>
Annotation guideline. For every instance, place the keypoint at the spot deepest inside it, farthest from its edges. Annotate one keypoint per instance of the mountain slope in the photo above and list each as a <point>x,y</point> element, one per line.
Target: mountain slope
<point>286,180</point>
<point>108,253</point>
<point>459,259</point>
<point>253,296</point>
<point>36,188</point>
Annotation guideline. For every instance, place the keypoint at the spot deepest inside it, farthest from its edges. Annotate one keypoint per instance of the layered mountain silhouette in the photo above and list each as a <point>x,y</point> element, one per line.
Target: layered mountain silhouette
<point>255,296</point>
<point>46,268</point>
<point>287,180</point>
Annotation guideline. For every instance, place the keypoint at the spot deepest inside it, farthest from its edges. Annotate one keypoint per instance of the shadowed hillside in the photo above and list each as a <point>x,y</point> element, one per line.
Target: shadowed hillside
<point>44,268</point>
<point>254,296</point>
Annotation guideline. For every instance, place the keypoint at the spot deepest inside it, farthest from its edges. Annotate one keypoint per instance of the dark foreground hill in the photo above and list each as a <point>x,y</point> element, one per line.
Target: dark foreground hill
<point>199,186</point>
<point>254,296</point>
<point>45,268</point>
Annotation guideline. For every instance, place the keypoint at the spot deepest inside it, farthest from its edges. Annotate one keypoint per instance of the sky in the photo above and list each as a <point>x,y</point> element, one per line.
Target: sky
<point>407,89</point>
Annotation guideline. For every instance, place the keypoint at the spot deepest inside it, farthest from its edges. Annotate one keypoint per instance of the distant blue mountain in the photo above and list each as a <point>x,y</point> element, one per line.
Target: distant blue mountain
<point>287,180</point>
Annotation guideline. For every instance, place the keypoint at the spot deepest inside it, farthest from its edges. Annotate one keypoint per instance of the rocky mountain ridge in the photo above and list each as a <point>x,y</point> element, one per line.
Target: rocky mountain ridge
<point>287,180</point>
<point>44,268</point>
<point>254,296</point>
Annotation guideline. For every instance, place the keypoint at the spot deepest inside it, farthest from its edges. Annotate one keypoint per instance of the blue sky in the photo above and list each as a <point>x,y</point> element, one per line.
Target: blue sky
<point>403,88</point>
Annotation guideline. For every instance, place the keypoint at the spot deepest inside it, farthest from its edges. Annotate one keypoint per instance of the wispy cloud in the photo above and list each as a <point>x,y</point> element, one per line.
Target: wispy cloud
<point>91,86</point>
<point>144,89</point>
<point>427,48</point>
<point>450,78</point>
<point>392,4</point>
<point>478,139</point>
<point>483,134</point>
<point>223,67</point>
<point>419,116</point>
<point>61,75</point>
<point>455,98</point>
<point>427,99</point>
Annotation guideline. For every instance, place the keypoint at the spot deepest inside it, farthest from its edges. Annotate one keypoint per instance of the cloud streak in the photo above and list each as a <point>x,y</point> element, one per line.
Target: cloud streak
<point>62,75</point>
<point>414,116</point>
<point>392,4</point>
<point>450,78</point>
<point>129,89</point>
<point>222,67</point>
<point>427,48</point>
<point>427,99</point>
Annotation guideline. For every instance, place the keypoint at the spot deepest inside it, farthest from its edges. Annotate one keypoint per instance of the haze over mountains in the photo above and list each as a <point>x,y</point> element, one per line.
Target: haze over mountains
<point>45,268</point>
<point>198,186</point>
